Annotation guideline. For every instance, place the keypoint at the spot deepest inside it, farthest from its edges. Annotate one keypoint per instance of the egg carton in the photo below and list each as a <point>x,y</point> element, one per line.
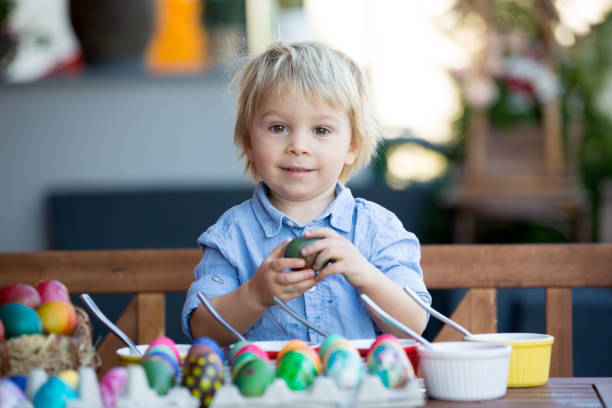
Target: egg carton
<point>136,393</point>
<point>324,394</point>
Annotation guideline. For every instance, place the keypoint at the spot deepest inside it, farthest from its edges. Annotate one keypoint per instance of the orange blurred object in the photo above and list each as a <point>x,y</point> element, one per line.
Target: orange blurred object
<point>179,44</point>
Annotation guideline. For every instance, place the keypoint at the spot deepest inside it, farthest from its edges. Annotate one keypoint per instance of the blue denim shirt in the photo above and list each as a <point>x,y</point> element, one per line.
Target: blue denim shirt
<point>244,236</point>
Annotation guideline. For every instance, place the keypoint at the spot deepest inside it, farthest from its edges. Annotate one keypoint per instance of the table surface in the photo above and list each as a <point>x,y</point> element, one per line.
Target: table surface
<point>566,392</point>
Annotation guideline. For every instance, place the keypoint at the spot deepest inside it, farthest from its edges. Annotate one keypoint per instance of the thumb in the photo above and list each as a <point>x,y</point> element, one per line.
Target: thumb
<point>279,251</point>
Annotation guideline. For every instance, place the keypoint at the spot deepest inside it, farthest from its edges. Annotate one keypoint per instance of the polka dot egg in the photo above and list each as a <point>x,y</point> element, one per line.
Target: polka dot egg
<point>203,375</point>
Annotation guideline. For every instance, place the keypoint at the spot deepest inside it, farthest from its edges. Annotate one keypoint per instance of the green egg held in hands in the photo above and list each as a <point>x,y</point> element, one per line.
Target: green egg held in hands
<point>294,250</point>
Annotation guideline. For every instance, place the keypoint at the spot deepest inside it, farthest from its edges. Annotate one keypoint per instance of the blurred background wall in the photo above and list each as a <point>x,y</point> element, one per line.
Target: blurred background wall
<point>116,122</point>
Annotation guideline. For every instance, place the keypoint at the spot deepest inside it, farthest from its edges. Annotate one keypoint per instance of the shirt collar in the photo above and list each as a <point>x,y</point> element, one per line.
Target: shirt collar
<point>271,219</point>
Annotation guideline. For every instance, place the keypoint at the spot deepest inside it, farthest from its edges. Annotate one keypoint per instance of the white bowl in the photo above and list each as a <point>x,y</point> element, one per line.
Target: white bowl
<point>465,371</point>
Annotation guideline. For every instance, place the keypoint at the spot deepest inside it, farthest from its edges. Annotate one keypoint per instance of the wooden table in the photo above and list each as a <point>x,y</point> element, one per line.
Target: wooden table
<point>557,392</point>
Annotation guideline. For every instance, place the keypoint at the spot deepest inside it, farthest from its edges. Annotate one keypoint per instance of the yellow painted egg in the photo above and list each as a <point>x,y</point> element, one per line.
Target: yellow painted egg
<point>57,317</point>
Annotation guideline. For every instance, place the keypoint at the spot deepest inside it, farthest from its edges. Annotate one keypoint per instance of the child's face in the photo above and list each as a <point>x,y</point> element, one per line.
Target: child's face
<point>299,146</point>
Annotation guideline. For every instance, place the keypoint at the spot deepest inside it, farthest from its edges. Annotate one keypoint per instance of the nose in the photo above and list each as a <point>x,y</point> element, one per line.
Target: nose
<point>298,143</point>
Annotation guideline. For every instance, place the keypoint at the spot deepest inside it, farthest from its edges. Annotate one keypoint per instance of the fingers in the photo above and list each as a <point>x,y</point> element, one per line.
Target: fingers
<point>280,264</point>
<point>291,291</point>
<point>292,278</point>
<point>330,269</point>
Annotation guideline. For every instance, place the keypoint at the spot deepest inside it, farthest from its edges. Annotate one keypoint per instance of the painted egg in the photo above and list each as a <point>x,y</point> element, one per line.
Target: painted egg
<point>384,338</point>
<point>297,369</point>
<point>251,348</point>
<point>54,393</point>
<point>345,367</point>
<point>20,293</point>
<point>163,354</point>
<point>70,377</point>
<point>207,341</point>
<point>329,340</point>
<point>52,289</point>
<point>391,365</point>
<point>160,374</point>
<point>240,360</point>
<point>57,317</point>
<point>112,385</point>
<point>254,377</point>
<point>236,348</point>
<point>1,330</point>
<point>10,394</point>
<point>198,349</point>
<point>293,250</point>
<point>343,343</point>
<point>294,344</point>
<point>163,349</point>
<point>168,342</point>
<point>20,380</point>
<point>382,345</point>
<point>19,319</point>
<point>314,357</point>
<point>203,375</point>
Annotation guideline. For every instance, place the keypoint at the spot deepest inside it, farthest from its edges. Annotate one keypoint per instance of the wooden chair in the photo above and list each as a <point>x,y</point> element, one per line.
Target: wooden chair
<point>480,268</point>
<point>525,172</point>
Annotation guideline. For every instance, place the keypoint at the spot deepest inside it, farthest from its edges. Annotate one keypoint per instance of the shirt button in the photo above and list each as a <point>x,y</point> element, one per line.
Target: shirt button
<point>290,223</point>
<point>312,289</point>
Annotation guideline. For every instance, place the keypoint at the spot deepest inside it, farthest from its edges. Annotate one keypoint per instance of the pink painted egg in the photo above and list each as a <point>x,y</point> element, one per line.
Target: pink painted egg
<point>112,385</point>
<point>168,342</point>
<point>52,289</point>
<point>20,293</point>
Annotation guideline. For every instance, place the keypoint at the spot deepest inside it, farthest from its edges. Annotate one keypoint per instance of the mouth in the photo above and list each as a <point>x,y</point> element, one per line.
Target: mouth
<point>299,170</point>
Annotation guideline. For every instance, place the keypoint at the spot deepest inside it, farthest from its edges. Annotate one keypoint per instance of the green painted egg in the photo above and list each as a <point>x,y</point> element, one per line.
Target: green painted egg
<point>297,369</point>
<point>254,377</point>
<point>296,245</point>
<point>19,319</point>
<point>160,374</point>
<point>241,360</point>
<point>235,348</point>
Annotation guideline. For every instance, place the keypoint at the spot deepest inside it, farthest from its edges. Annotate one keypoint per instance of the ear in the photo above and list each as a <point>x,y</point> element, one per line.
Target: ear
<point>352,154</point>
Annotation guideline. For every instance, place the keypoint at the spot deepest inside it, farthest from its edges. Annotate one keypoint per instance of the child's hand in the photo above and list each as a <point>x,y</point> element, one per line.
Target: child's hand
<point>269,280</point>
<point>345,258</point>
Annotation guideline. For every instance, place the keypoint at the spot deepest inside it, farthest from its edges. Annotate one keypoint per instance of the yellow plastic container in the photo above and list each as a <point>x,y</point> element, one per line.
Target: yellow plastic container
<point>530,358</point>
<point>126,356</point>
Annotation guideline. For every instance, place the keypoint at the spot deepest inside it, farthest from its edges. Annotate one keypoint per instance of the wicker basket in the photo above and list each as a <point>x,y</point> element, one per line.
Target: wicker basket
<point>52,352</point>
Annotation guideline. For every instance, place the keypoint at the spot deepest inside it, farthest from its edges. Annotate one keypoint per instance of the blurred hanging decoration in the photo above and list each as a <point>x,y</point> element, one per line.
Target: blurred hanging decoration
<point>113,33</point>
<point>518,163</point>
<point>180,43</point>
<point>37,40</point>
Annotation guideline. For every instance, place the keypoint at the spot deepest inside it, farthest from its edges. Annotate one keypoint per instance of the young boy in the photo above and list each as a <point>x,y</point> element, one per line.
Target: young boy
<point>305,124</point>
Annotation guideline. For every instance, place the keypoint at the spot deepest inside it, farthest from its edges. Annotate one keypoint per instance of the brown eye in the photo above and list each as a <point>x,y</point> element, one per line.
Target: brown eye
<point>278,128</point>
<point>320,131</point>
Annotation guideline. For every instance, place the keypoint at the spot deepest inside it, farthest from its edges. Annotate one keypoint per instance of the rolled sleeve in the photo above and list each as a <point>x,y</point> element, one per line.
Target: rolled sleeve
<point>214,276</point>
<point>399,261</point>
<point>397,254</point>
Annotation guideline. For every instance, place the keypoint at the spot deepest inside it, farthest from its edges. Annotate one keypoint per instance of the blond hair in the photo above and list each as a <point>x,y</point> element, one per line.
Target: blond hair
<point>318,71</point>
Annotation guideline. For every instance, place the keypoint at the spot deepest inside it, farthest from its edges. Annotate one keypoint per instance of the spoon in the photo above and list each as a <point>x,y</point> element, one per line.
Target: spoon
<point>110,325</point>
<point>390,320</point>
<point>297,317</point>
<point>213,311</point>
<point>435,313</point>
